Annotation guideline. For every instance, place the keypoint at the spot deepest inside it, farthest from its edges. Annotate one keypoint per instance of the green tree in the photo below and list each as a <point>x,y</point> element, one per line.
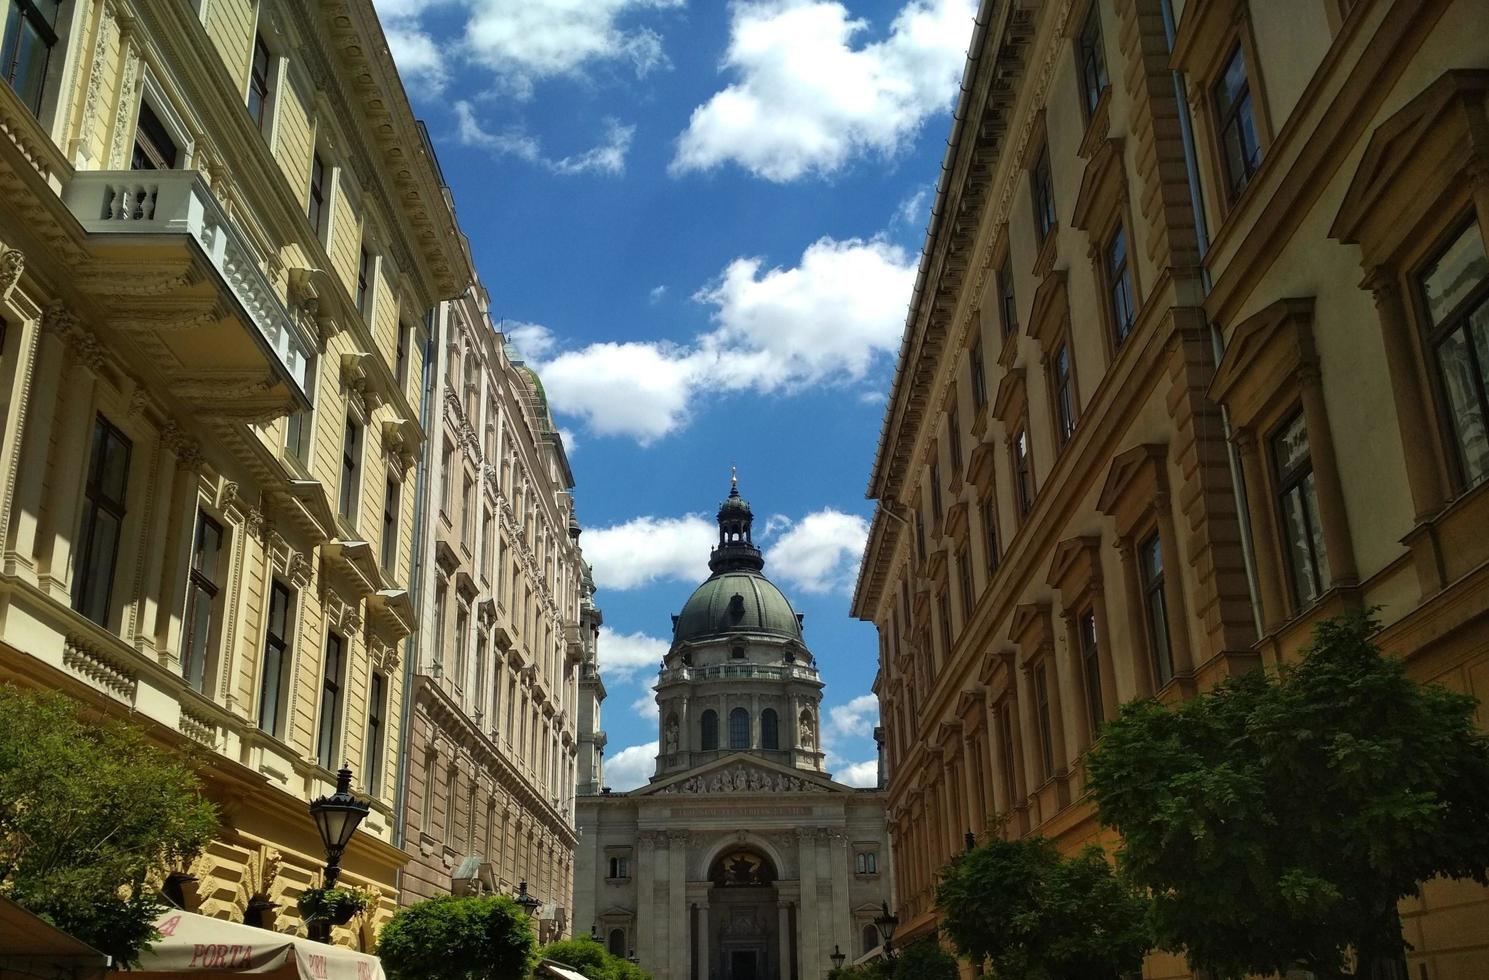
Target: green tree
<point>486,937</point>
<point>1278,821</point>
<point>1034,914</point>
<point>585,954</point>
<point>924,959</point>
<point>878,969</point>
<point>90,815</point>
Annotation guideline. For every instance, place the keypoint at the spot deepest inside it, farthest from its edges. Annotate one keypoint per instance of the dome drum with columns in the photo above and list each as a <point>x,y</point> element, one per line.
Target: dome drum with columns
<point>666,872</point>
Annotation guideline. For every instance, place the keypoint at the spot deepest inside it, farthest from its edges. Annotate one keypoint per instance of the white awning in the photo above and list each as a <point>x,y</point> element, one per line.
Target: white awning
<point>197,944</point>
<point>560,971</point>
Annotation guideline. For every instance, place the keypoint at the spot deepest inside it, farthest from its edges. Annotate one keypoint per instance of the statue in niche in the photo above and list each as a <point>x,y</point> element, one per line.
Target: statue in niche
<point>671,735</point>
<point>805,734</point>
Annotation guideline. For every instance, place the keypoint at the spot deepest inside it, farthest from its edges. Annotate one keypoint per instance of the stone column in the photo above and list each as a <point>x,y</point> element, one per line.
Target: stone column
<point>645,893</point>
<point>1173,592</point>
<point>703,954</point>
<point>36,440</point>
<point>159,536</point>
<point>783,925</point>
<point>1001,802</point>
<point>678,938</point>
<point>1029,733</point>
<point>806,918</point>
<point>841,868</point>
<point>971,794</point>
<point>1143,667</point>
<point>67,469</point>
<point>1109,699</point>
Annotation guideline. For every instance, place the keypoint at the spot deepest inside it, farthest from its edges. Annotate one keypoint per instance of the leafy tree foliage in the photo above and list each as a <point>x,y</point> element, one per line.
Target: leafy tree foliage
<point>879,969</point>
<point>1278,821</point>
<point>1036,915</point>
<point>486,937</point>
<point>90,815</point>
<point>924,960</point>
<point>585,954</point>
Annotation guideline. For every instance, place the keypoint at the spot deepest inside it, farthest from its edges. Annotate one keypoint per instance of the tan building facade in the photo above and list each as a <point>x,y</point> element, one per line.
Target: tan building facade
<point>492,750</point>
<point>1198,356</point>
<point>223,236</point>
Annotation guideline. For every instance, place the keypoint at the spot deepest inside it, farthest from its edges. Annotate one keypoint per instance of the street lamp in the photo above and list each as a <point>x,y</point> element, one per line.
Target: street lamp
<point>594,931</point>
<point>529,903</point>
<point>971,841</point>
<point>886,922</point>
<point>837,957</point>
<point>337,817</point>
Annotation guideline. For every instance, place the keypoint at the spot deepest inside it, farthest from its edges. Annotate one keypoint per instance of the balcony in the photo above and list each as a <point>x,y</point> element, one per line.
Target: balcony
<point>171,270</point>
<point>719,672</point>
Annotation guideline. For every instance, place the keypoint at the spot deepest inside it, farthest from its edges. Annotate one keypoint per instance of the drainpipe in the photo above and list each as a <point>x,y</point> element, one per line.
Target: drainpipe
<point>1217,340</point>
<point>416,578</point>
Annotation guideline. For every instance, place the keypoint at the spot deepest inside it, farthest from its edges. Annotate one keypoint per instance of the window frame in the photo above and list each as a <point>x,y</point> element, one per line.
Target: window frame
<point>1117,279</point>
<point>318,197</point>
<point>99,504</point>
<point>377,701</point>
<point>1286,483</point>
<point>1154,589</point>
<point>200,584</point>
<point>1042,193</point>
<point>332,701</point>
<point>260,85</point>
<point>742,742</point>
<point>1064,401</point>
<point>708,731</point>
<point>1089,654</point>
<point>388,545</point>
<point>977,376</point>
<point>1021,460</point>
<point>349,491</point>
<point>1090,57</point>
<point>273,704</point>
<point>1227,114</point>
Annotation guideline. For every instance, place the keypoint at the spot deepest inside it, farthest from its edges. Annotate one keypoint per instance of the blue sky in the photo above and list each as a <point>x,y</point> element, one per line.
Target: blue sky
<point>701,222</point>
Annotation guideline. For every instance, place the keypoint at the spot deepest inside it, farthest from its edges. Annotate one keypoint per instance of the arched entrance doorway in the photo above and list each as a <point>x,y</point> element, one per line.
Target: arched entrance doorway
<point>743,941</point>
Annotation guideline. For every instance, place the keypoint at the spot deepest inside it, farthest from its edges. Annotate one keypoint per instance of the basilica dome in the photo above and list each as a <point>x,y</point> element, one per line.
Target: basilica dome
<point>736,602</point>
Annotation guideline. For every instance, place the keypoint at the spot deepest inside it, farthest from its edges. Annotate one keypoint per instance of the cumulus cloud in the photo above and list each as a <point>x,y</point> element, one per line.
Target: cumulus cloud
<point>820,553</point>
<point>861,774</point>
<point>646,707</point>
<point>808,97</point>
<point>608,157</point>
<point>532,340</point>
<point>913,209</point>
<point>856,718</point>
<point>657,293</point>
<point>623,655</point>
<point>631,767</point>
<point>644,550</point>
<point>823,321</point>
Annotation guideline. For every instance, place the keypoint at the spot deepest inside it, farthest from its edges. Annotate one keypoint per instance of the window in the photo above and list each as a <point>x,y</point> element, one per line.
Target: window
<point>201,597</point>
<point>1007,305</point>
<point>1064,393</point>
<point>297,436</point>
<point>770,729</point>
<point>1091,669</point>
<point>377,706</point>
<point>153,147</point>
<point>1119,283</point>
<point>390,525</point>
<point>1043,186</point>
<point>272,687</point>
<point>739,729</point>
<point>364,280</point>
<point>1045,721</point>
<point>1023,474</point>
<point>1092,59</point>
<point>1155,607</point>
<point>446,485</point>
<point>936,490</point>
<point>462,627</point>
<point>1455,297</point>
<point>954,440</point>
<point>1297,501</point>
<point>351,463</point>
<point>478,683</point>
<point>1005,736</point>
<point>709,728</point>
<point>870,939</point>
<point>467,511</point>
<point>439,623</point>
<point>990,533</point>
<point>30,35</point>
<point>258,81</point>
<point>620,867</point>
<point>400,356</point>
<point>329,732</point>
<point>1240,152</point>
<point>103,520</point>
<point>978,376</point>
<point>964,574</point>
<point>316,210</point>
<point>486,542</point>
<point>617,942</point>
<point>943,614</point>
<point>865,863</point>
<point>919,533</point>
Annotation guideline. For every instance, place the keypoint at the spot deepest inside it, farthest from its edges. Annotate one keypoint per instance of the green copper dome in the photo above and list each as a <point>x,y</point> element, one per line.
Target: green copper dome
<point>735,602</point>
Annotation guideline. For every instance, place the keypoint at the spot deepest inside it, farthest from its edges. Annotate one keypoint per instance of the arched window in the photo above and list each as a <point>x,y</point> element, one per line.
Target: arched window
<point>739,729</point>
<point>617,944</point>
<point>870,938</point>
<point>709,724</point>
<point>770,736</point>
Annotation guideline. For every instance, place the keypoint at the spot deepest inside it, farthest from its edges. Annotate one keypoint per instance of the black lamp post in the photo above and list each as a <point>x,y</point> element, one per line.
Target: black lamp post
<point>632,957</point>
<point>529,903</point>
<point>971,841</point>
<point>886,922</point>
<point>337,817</point>
<point>837,957</point>
<point>594,931</point>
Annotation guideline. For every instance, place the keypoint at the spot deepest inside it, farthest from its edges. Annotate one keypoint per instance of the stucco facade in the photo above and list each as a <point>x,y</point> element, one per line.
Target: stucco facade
<point>741,859</point>
<point>1187,370</point>
<point>223,235</point>
<point>492,750</point>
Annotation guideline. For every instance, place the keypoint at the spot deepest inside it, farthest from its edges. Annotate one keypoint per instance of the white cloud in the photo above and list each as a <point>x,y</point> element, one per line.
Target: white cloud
<point>571,444</point>
<point>861,774</point>
<point>856,718</point>
<point>623,655</point>
<point>631,767</point>
<point>646,707</point>
<point>532,340</point>
<point>820,553</point>
<point>823,321</point>
<point>608,157</point>
<point>648,549</point>
<point>912,210</point>
<point>657,293</point>
<point>806,100</point>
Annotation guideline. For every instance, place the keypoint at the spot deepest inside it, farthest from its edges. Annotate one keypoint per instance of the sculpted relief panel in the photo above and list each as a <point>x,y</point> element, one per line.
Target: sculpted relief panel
<point>741,779</point>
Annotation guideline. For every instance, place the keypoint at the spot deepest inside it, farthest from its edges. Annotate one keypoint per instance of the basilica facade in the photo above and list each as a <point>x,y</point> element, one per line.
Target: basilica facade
<point>741,859</point>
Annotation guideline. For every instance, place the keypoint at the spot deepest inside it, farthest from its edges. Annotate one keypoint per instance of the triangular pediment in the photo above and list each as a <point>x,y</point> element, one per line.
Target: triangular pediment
<point>740,774</point>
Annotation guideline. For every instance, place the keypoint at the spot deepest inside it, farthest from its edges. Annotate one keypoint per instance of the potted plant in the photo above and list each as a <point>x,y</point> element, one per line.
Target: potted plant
<point>335,905</point>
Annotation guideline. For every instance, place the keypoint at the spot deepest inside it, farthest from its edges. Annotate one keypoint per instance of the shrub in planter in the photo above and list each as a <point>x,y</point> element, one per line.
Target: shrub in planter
<point>338,905</point>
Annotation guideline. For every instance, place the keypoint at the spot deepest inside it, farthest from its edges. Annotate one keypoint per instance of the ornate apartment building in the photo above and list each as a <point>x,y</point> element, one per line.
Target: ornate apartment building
<point>508,619</point>
<point>1198,355</point>
<point>224,233</point>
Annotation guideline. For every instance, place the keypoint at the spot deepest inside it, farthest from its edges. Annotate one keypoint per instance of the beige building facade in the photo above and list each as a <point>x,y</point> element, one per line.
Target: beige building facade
<point>1198,356</point>
<point>506,599</point>
<point>741,859</point>
<point>223,237</point>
